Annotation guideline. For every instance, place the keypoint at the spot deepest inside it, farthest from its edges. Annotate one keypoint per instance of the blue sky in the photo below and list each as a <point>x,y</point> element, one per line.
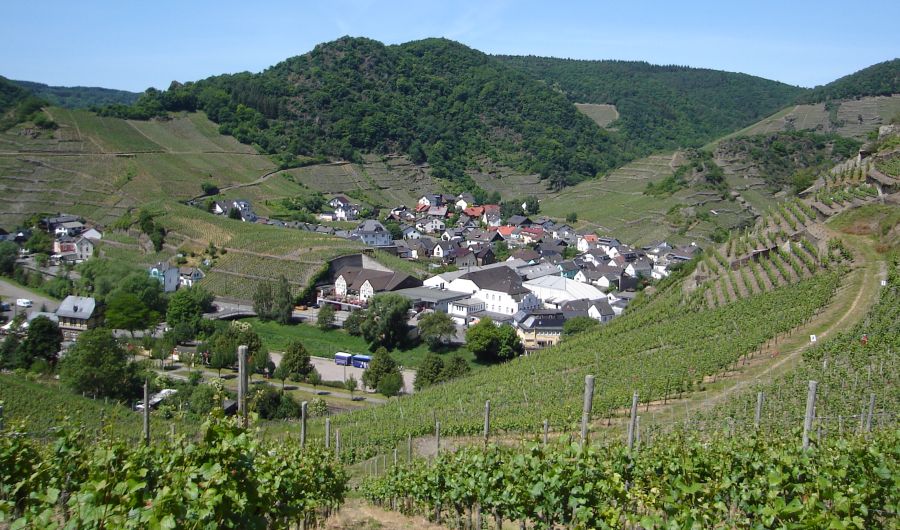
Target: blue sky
<point>134,45</point>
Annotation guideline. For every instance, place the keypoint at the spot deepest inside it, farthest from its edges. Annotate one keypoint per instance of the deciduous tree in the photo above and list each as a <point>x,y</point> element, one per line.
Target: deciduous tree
<point>98,365</point>
<point>385,321</point>
<point>436,329</point>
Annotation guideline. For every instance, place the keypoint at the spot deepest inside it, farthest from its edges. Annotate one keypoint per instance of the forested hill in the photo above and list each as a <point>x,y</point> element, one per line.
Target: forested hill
<point>78,97</point>
<point>663,107</point>
<point>10,94</point>
<point>435,100</point>
<point>882,79</point>
<point>17,104</point>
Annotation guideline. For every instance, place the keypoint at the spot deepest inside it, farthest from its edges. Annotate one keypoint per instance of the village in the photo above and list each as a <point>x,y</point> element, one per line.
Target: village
<point>531,272</point>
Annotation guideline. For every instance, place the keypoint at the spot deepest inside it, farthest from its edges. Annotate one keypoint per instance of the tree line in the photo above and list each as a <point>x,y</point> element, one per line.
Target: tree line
<point>435,100</point>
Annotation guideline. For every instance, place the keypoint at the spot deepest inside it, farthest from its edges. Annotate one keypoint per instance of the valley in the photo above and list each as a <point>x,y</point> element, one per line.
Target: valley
<point>421,286</point>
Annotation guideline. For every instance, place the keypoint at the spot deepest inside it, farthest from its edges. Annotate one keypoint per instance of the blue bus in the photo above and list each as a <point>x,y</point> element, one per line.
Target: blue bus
<point>343,359</point>
<point>361,361</point>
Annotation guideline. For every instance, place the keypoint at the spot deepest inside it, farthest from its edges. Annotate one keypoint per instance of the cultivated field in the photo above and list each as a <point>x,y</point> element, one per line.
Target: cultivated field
<point>854,118</point>
<point>602,114</point>
<point>617,205</point>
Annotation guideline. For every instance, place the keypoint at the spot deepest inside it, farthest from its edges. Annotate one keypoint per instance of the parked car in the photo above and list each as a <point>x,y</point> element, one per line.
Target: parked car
<point>24,302</point>
<point>5,306</point>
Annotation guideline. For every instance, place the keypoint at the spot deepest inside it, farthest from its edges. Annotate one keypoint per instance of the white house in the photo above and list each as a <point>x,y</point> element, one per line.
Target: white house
<point>597,309</point>
<point>500,288</point>
<point>373,233</point>
<point>642,268</point>
<point>444,249</point>
<point>346,213</point>
<point>431,226</point>
<point>410,232</point>
<point>188,276</point>
<point>602,277</point>
<point>84,249</point>
<point>586,242</point>
<point>92,233</point>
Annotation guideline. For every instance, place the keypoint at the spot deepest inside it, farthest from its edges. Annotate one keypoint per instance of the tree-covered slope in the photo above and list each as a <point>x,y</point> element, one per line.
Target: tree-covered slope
<point>882,79</point>
<point>663,107</point>
<point>435,100</point>
<point>10,94</point>
<point>18,104</point>
<point>78,97</point>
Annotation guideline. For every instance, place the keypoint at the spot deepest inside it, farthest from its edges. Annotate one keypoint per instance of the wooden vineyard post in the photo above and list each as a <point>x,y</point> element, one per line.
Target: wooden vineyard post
<point>810,413</point>
<point>1,417</point>
<point>327,433</point>
<point>409,452</point>
<point>487,420</point>
<point>586,409</point>
<point>631,424</point>
<point>546,431</point>
<point>337,443</point>
<point>437,437</point>
<point>395,456</point>
<point>303,411</point>
<point>637,431</point>
<point>759,404</point>
<point>147,411</point>
<point>871,411</point>
<point>242,384</point>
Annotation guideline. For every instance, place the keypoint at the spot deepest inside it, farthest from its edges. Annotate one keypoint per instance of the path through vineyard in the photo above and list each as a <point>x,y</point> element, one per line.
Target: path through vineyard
<point>358,514</point>
<point>851,303</point>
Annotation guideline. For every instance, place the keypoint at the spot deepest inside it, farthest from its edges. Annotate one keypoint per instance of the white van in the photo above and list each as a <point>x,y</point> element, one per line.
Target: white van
<point>24,302</point>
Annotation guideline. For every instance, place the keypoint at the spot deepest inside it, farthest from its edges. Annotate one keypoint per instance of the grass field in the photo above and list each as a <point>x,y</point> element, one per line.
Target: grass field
<point>602,114</point>
<point>857,118</point>
<point>326,343</point>
<point>616,205</point>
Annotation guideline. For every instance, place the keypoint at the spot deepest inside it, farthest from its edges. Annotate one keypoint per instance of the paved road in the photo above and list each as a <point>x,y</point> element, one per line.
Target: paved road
<point>308,315</point>
<point>334,372</point>
<point>10,292</point>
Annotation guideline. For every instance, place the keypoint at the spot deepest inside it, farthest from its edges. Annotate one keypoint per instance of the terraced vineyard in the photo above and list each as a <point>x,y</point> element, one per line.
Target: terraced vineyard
<point>785,246</point>
<point>237,275</point>
<point>101,167</point>
<point>617,205</point>
<point>663,348</point>
<point>854,118</point>
<point>850,369</point>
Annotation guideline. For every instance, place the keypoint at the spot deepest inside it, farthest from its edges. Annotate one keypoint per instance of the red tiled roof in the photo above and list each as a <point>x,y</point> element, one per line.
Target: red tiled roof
<point>474,211</point>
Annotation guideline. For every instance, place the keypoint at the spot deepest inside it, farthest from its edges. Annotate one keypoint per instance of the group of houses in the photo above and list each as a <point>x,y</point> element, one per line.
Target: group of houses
<point>172,277</point>
<point>531,273</point>
<point>73,240</point>
<point>552,274</point>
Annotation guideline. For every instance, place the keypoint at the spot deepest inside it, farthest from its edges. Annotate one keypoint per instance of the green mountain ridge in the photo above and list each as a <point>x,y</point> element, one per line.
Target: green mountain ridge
<point>881,79</point>
<point>443,103</point>
<point>434,100</point>
<point>663,107</point>
<point>78,97</point>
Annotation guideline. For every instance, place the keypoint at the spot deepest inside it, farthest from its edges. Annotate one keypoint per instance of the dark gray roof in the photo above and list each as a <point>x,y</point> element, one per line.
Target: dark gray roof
<point>501,279</point>
<point>518,220</point>
<point>370,226</point>
<point>80,307</point>
<point>584,305</point>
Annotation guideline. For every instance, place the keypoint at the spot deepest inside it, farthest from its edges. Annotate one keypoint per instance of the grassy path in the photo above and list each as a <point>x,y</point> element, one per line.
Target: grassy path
<point>850,304</point>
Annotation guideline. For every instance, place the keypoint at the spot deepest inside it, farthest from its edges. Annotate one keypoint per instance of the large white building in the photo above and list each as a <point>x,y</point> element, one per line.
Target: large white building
<point>495,291</point>
<point>554,291</point>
